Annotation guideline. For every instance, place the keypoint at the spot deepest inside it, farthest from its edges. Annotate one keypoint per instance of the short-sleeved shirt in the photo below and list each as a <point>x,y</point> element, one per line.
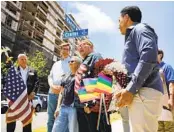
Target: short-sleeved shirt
<point>59,69</point>
<point>168,72</point>
<point>68,93</point>
<point>90,61</point>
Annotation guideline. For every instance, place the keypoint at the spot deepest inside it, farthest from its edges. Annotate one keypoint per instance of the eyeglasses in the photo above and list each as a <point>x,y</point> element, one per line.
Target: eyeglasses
<point>72,61</point>
<point>64,48</point>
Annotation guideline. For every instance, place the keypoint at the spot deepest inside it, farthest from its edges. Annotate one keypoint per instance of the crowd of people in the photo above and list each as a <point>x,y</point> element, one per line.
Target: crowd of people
<point>145,105</point>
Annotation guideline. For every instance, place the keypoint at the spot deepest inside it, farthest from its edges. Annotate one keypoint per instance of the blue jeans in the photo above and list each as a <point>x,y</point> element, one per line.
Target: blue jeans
<point>52,104</point>
<point>67,119</point>
<point>125,119</point>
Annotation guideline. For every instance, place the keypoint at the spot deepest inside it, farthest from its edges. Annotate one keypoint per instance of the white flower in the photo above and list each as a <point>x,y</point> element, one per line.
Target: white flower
<point>116,67</point>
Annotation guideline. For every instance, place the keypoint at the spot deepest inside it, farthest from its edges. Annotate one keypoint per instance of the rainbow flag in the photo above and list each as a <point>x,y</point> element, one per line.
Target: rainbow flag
<point>84,96</point>
<point>90,84</point>
<point>104,84</point>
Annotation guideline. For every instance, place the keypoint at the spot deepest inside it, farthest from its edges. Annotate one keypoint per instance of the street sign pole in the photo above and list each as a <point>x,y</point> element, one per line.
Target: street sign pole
<point>75,33</point>
<point>70,22</point>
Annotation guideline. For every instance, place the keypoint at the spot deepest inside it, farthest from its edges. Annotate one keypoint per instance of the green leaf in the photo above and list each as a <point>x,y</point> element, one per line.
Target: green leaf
<point>38,61</point>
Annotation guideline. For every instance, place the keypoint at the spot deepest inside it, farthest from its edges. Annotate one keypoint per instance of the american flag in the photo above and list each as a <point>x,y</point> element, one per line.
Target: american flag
<point>19,106</point>
<point>78,76</point>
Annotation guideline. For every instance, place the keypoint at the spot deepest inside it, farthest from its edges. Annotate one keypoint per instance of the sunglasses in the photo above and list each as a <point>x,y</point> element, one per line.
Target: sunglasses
<point>72,61</point>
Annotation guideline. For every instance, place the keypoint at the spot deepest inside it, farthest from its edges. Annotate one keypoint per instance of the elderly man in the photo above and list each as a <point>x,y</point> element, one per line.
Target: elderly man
<point>30,79</point>
<point>143,94</point>
<point>166,122</point>
<point>67,117</point>
<point>88,121</point>
<point>58,71</point>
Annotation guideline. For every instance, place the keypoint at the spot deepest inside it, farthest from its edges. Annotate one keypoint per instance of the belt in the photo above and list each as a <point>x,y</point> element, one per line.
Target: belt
<point>164,107</point>
<point>71,105</point>
<point>50,91</point>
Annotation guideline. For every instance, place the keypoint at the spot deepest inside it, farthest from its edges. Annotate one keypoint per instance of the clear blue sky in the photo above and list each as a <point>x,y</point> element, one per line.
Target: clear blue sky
<point>101,18</point>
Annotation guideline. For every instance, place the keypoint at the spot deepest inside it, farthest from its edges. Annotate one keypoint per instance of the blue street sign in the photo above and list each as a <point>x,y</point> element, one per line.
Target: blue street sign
<point>70,22</point>
<point>75,34</point>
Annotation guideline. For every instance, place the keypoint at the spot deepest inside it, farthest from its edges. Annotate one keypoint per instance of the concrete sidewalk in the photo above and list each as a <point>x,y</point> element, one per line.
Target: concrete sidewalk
<point>116,127</point>
<point>38,121</point>
<point>39,124</point>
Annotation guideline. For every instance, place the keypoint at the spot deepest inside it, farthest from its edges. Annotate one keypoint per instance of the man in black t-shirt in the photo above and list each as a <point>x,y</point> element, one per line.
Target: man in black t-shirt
<point>67,114</point>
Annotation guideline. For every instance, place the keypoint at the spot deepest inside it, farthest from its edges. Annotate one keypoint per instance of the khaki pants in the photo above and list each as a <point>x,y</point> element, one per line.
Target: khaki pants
<point>145,110</point>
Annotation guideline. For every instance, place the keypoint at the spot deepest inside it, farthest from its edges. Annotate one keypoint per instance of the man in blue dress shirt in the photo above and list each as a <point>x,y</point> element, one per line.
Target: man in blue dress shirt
<point>143,94</point>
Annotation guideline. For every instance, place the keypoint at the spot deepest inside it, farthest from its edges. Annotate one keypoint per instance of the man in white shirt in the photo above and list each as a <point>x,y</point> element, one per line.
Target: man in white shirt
<point>58,71</point>
<point>24,74</point>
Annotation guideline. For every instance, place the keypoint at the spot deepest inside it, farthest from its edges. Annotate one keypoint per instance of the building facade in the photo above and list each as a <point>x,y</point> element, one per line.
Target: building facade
<point>10,16</point>
<point>35,25</point>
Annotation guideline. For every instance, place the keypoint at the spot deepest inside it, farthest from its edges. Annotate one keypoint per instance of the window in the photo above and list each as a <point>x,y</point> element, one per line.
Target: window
<point>31,23</point>
<point>8,21</point>
<point>11,9</point>
<point>38,37</point>
<point>33,14</point>
<point>58,33</point>
<point>58,42</point>
<point>41,16</point>
<point>57,51</point>
<point>30,33</point>
<point>39,28</point>
<point>44,6</point>
<point>34,4</point>
<point>60,24</point>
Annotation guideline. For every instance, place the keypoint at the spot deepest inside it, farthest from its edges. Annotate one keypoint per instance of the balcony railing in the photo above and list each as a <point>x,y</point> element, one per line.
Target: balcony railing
<point>17,4</point>
<point>15,16</point>
<point>38,38</point>
<point>41,17</point>
<point>44,6</point>
<point>8,33</point>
